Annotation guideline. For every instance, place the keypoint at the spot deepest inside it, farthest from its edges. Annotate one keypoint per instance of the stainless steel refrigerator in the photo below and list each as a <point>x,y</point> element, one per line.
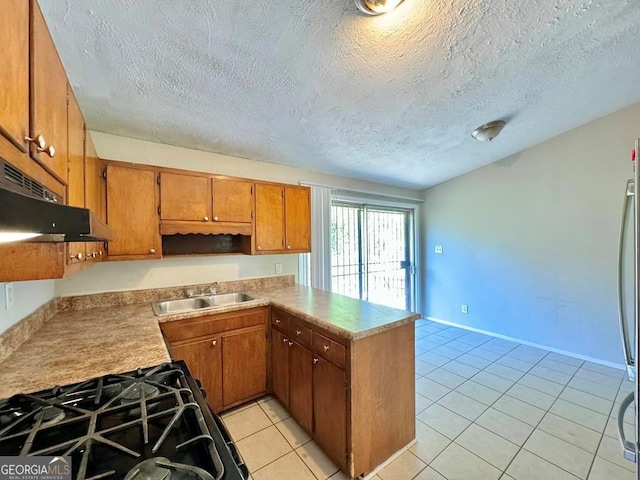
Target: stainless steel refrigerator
<point>628,308</point>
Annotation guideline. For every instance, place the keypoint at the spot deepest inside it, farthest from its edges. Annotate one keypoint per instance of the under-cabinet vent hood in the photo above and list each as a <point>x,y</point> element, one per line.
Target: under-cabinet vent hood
<point>31,212</point>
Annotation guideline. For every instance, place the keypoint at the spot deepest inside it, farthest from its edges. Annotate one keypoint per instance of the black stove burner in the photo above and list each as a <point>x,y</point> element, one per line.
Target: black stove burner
<point>161,468</point>
<point>120,426</point>
<point>49,416</point>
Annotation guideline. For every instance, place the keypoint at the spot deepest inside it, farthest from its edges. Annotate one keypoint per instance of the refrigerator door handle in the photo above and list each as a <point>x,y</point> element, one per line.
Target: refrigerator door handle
<point>628,358</point>
<point>629,447</point>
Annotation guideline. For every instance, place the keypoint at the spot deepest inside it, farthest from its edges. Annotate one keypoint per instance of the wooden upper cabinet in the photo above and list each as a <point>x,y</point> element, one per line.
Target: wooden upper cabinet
<point>94,194</point>
<point>232,200</point>
<point>48,98</point>
<point>76,171</point>
<point>132,213</point>
<point>185,197</point>
<point>269,218</point>
<point>14,74</point>
<point>297,219</point>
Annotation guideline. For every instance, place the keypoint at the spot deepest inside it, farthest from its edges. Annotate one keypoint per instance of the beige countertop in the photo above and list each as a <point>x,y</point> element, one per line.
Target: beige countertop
<point>76,345</point>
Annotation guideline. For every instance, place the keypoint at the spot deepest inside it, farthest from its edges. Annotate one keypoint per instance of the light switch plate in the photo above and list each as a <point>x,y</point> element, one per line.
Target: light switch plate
<point>8,296</point>
<point>465,309</point>
<point>278,268</point>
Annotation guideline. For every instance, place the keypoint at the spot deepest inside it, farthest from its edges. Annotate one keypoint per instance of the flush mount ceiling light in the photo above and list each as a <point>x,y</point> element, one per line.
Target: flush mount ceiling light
<point>488,131</point>
<point>377,7</point>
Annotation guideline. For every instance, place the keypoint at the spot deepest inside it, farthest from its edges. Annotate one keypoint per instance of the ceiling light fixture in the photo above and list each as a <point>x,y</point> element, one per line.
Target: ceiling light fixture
<point>488,131</point>
<point>377,7</point>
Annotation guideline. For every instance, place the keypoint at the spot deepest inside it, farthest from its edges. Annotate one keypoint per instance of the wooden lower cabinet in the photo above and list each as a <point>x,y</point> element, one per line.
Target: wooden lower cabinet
<point>280,367</point>
<point>300,385</point>
<point>244,365</point>
<point>330,410</point>
<point>204,359</point>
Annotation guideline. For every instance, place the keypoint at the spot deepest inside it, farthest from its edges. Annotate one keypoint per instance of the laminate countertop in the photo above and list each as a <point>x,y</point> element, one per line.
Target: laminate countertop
<point>76,345</point>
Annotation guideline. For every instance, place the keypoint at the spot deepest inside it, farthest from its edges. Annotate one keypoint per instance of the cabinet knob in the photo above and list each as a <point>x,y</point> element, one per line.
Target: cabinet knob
<point>50,150</point>
<point>206,219</point>
<point>214,343</point>
<point>259,248</point>
<point>38,141</point>
<point>325,347</point>
<point>277,320</point>
<point>285,340</point>
<point>152,251</point>
<point>291,344</point>
<point>79,256</point>
<point>215,219</point>
<point>100,253</point>
<point>315,360</point>
<point>288,247</point>
<point>298,332</point>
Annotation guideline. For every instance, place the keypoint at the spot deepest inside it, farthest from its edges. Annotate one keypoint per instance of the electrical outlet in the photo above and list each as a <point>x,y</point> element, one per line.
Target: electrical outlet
<point>438,248</point>
<point>278,268</point>
<point>8,296</point>
<point>465,309</point>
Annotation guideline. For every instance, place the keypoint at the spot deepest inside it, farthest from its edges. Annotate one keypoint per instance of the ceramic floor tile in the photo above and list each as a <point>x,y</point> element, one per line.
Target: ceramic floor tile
<point>422,403</point>
<point>488,355</point>
<point>473,361</point>
<point>430,389</point>
<point>460,346</point>
<point>603,369</point>
<point>499,348</point>
<point>429,474</point>
<point>288,467</point>
<point>505,425</point>
<point>423,368</point>
<point>586,400</point>
<point>479,392</point>
<point>550,374</point>
<point>558,357</point>
<point>344,476</point>
<point>596,389</point>
<point>434,359</point>
<point>239,409</point>
<point>321,465</point>
<point>519,410</point>
<point>460,368</point>
<point>445,421</point>
<point>446,378</point>
<point>611,451</point>
<point>611,430</point>
<point>562,454</point>
<point>452,333</point>
<point>263,448</point>
<point>542,385</point>
<point>504,372</point>
<point>293,432</point>
<point>488,446</point>
<point>429,443</point>
<point>405,466</point>
<point>604,470</point>
<point>516,363</point>
<point>463,405</point>
<point>599,378</point>
<point>474,339</point>
<point>578,414</point>
<point>447,351</point>
<point>493,381</point>
<point>558,366</point>
<point>531,396</point>
<point>456,463</point>
<point>274,410</point>
<point>527,466</point>
<point>247,422</point>
<point>571,432</point>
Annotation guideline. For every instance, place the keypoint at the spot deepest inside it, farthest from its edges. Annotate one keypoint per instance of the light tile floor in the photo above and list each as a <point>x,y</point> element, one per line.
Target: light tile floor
<point>486,409</point>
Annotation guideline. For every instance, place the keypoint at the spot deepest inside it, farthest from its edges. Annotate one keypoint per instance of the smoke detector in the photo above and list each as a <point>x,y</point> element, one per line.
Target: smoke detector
<point>488,131</point>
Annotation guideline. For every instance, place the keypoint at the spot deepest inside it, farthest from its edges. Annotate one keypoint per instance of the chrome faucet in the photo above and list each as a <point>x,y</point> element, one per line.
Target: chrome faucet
<point>210,290</point>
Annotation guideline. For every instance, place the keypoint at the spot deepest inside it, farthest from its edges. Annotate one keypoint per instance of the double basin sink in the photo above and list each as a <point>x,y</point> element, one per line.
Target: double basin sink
<point>209,302</point>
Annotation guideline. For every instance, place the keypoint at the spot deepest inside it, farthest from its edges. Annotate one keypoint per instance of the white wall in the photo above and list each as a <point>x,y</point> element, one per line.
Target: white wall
<point>114,276</point>
<point>530,242</point>
<point>27,298</point>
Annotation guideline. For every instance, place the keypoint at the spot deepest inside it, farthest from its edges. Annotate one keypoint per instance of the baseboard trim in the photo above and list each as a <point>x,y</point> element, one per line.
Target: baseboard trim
<point>587,358</point>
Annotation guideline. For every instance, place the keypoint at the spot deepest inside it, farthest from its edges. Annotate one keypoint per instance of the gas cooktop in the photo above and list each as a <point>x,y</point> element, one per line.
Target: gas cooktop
<point>149,424</point>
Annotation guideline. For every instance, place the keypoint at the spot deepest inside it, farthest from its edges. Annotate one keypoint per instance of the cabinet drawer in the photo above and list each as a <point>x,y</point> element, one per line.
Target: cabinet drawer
<point>327,348</point>
<point>300,333</point>
<point>211,324</point>
<point>280,320</point>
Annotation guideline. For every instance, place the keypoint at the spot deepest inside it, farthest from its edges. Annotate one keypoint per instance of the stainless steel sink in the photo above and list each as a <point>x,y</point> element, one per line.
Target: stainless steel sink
<point>210,302</point>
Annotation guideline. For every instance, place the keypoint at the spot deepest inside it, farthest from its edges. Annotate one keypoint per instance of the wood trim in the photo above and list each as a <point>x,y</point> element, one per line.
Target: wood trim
<point>32,261</point>
<point>205,228</point>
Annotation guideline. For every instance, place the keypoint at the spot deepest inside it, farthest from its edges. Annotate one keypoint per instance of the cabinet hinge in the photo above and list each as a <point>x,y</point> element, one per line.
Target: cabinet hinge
<point>104,173</point>
<point>106,246</point>
<point>282,193</point>
<point>251,190</point>
<point>158,179</point>
<point>252,215</point>
<point>158,209</point>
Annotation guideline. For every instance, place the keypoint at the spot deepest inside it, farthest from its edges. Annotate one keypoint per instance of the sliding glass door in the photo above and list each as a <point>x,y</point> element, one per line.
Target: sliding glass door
<point>373,253</point>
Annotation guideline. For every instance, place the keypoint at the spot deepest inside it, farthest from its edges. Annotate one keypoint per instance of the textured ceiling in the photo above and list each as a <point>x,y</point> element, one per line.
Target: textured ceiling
<point>314,84</point>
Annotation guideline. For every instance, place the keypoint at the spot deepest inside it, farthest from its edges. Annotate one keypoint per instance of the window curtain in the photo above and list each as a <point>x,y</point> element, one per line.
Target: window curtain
<point>315,267</point>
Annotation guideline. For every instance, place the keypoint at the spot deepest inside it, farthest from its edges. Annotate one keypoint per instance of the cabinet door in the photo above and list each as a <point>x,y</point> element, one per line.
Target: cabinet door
<point>14,74</point>
<point>94,194</point>
<point>185,197</point>
<point>244,360</point>
<point>204,359</point>
<point>132,213</point>
<point>300,385</point>
<point>76,168</point>
<point>48,97</point>
<point>330,410</point>
<point>232,200</point>
<point>298,219</point>
<point>280,366</point>
<point>269,218</point>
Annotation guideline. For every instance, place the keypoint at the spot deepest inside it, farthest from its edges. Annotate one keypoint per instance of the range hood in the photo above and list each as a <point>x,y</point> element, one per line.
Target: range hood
<point>31,212</point>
